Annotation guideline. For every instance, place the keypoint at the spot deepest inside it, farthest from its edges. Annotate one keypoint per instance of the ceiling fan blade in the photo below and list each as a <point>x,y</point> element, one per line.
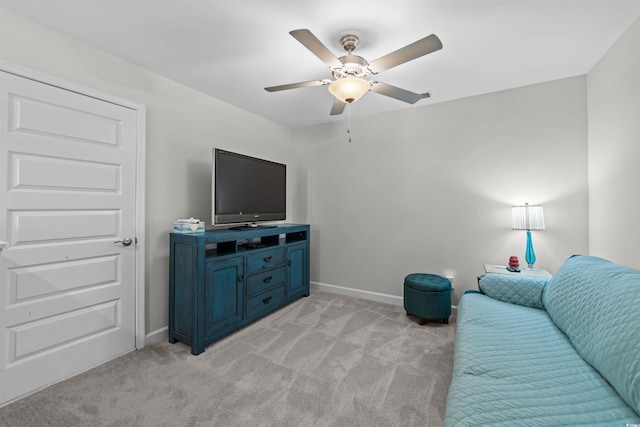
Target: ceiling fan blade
<point>338,107</point>
<point>295,85</point>
<point>397,93</point>
<point>316,47</point>
<point>412,51</point>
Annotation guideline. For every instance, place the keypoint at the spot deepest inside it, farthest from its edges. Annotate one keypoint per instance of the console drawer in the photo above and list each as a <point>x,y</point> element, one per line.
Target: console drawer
<point>264,259</point>
<point>260,282</point>
<point>266,301</point>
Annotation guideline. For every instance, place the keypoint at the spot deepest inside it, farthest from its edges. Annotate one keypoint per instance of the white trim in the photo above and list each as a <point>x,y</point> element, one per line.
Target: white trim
<point>141,119</point>
<point>357,293</point>
<point>50,80</point>
<point>368,295</point>
<point>159,335</point>
<point>140,110</point>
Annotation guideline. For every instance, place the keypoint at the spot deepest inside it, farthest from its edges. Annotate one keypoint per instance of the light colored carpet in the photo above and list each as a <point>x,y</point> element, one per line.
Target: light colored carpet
<point>325,360</point>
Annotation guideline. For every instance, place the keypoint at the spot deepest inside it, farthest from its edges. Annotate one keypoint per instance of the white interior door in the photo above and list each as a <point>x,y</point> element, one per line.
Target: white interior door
<point>67,192</point>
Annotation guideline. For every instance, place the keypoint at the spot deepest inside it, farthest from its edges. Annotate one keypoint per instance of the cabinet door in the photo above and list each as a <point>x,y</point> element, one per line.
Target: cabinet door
<point>223,293</point>
<point>298,280</point>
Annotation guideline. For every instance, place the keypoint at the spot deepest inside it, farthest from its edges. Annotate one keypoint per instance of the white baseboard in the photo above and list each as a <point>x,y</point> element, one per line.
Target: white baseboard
<point>368,295</point>
<point>159,335</point>
<point>357,293</point>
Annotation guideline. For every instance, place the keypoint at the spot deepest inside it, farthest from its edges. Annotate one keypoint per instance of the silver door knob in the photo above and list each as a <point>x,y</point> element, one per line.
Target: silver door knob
<point>125,242</point>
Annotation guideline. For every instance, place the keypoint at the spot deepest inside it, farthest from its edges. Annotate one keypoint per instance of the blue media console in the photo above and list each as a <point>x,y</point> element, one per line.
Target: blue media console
<point>222,280</point>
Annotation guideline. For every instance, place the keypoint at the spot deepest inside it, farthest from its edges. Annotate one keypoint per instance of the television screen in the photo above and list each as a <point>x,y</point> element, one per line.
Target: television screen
<point>247,189</point>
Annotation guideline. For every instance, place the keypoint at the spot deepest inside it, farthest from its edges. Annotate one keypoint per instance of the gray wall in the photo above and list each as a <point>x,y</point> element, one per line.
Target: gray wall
<point>427,189</point>
<point>614,152</point>
<point>431,189</point>
<point>183,126</point>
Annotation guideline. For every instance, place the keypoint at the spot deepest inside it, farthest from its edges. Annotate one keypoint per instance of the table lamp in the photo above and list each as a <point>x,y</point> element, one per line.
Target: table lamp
<point>528,218</point>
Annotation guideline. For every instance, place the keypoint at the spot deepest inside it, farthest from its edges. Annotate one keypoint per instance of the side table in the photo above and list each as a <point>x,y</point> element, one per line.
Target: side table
<point>531,272</point>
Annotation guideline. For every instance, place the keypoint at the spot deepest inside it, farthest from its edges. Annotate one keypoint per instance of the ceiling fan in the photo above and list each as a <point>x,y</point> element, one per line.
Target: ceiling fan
<point>353,74</point>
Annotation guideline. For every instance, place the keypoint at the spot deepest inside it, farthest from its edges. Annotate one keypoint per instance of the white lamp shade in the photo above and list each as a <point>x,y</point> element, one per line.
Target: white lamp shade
<point>349,89</point>
<point>527,218</point>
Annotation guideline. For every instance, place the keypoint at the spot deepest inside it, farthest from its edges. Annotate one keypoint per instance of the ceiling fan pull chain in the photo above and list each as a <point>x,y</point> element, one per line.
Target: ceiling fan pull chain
<point>349,121</point>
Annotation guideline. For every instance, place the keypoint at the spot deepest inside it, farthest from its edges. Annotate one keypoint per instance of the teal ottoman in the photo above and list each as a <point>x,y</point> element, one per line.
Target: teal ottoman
<point>427,297</point>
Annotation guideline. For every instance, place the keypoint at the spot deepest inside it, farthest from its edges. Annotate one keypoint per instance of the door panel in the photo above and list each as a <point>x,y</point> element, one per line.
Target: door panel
<point>223,294</point>
<point>67,289</point>
<point>297,268</point>
<point>34,337</point>
<point>52,278</point>
<point>30,227</point>
<point>35,116</point>
<point>38,172</point>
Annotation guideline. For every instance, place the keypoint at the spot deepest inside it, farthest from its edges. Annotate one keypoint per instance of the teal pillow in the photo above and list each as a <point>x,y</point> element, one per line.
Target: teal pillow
<point>521,290</point>
<point>596,303</point>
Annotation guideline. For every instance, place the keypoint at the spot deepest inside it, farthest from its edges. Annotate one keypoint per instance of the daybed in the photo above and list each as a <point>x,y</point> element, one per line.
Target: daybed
<point>549,352</point>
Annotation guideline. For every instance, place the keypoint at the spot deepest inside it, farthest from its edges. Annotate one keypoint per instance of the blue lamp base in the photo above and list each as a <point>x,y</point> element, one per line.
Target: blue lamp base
<point>530,255</point>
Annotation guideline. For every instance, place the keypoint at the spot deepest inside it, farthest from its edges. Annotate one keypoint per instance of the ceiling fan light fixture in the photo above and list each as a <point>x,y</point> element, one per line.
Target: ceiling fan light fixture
<point>349,89</point>
<point>353,75</point>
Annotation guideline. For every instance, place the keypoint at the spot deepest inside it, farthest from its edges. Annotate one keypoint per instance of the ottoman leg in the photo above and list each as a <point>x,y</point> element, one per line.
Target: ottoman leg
<point>445,321</point>
<point>421,321</point>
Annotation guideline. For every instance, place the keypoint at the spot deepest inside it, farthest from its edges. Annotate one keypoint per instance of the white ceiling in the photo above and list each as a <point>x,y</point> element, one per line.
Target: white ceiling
<point>233,49</point>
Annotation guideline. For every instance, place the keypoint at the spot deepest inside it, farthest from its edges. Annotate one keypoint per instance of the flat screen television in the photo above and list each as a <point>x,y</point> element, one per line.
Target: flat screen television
<point>247,189</point>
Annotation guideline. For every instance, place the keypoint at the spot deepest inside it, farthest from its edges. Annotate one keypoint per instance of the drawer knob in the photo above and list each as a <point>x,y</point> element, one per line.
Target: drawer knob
<point>267,300</point>
<point>267,258</point>
<point>240,277</point>
<point>267,279</point>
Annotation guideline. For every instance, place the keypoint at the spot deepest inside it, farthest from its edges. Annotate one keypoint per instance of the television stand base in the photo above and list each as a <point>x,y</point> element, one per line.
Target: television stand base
<point>216,291</point>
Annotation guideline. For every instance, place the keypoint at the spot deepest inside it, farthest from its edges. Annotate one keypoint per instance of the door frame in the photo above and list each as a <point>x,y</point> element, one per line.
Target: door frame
<point>139,280</point>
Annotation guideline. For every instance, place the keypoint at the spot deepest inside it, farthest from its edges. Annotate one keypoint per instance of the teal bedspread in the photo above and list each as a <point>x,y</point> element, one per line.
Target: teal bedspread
<point>513,366</point>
